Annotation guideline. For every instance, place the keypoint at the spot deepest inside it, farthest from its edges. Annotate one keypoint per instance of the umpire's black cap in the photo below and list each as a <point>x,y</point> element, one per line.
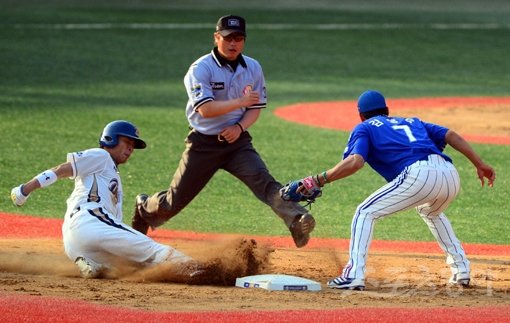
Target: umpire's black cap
<point>231,24</point>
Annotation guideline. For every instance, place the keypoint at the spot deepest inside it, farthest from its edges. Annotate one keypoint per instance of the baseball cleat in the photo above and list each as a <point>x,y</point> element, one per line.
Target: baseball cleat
<point>300,229</point>
<point>347,283</point>
<point>138,223</point>
<point>192,269</point>
<point>87,269</point>
<point>461,279</point>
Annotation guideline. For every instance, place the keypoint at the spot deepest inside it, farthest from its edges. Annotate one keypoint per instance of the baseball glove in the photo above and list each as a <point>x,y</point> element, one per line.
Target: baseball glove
<point>302,190</point>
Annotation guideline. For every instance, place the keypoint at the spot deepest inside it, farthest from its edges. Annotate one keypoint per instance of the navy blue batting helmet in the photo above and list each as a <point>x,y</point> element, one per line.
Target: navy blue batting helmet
<point>371,100</point>
<point>112,131</point>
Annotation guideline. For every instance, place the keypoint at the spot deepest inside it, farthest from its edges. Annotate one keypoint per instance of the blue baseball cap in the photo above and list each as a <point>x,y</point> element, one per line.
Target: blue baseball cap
<point>371,100</point>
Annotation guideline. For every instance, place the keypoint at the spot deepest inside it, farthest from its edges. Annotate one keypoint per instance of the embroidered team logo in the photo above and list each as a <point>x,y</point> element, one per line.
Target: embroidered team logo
<point>196,90</point>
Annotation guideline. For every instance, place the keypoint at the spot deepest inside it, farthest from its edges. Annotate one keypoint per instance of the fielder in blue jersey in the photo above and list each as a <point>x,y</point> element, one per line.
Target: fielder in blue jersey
<point>408,153</point>
<point>226,92</point>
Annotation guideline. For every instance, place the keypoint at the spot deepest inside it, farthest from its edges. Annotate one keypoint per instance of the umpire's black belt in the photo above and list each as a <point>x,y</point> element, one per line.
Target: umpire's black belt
<point>210,138</point>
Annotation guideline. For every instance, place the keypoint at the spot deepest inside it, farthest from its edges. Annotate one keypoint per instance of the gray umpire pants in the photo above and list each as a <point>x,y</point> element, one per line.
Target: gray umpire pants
<point>203,156</point>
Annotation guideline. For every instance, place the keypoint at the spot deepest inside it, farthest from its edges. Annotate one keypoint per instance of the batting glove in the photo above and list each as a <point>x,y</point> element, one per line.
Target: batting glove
<point>311,186</point>
<point>17,196</point>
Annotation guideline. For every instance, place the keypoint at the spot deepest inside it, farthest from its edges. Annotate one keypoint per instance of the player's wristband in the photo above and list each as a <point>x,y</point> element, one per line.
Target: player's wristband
<point>317,180</point>
<point>325,178</point>
<point>240,126</point>
<point>47,178</point>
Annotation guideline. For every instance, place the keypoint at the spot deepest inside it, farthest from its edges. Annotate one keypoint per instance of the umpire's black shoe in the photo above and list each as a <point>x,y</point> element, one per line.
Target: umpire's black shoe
<point>300,229</point>
<point>138,223</point>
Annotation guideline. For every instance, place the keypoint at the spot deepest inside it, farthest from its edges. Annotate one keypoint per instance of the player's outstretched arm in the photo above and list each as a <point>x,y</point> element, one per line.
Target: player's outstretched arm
<point>482,169</point>
<point>20,194</point>
<point>347,167</point>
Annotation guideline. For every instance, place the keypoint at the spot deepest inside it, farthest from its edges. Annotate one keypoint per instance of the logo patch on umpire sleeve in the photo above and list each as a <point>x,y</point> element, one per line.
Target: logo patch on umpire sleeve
<point>218,85</point>
<point>196,90</point>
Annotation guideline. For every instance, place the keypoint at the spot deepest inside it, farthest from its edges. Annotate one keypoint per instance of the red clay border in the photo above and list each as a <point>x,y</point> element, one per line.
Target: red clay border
<point>342,115</point>
<point>52,309</point>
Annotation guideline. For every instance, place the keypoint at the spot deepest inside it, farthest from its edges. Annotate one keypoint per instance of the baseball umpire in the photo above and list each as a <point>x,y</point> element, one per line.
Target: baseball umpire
<point>226,92</point>
<point>408,153</point>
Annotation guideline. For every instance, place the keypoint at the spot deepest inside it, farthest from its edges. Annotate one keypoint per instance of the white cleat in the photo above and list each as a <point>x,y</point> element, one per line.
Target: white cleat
<point>87,268</point>
<point>461,279</point>
<point>347,283</point>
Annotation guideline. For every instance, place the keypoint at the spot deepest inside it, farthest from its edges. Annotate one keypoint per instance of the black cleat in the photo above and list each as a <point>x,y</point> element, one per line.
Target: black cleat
<point>300,229</point>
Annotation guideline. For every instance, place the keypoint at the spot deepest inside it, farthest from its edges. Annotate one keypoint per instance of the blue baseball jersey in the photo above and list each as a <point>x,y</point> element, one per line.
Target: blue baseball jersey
<point>389,144</point>
<point>209,78</point>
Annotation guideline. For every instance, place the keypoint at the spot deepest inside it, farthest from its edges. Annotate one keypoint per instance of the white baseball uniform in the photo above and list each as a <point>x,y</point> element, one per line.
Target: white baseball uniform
<point>93,226</point>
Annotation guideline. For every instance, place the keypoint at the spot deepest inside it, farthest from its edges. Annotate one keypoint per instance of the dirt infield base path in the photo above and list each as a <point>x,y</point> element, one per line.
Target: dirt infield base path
<point>400,282</point>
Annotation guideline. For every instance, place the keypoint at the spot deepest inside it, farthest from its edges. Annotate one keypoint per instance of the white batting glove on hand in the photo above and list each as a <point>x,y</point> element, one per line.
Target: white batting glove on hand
<point>17,196</point>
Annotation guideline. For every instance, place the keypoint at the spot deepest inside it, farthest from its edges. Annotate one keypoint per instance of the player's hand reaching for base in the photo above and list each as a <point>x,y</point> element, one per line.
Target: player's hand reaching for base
<point>17,196</point>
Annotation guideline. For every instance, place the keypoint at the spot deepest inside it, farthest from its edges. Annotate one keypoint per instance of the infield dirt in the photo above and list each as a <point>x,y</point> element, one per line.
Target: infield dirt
<point>39,267</point>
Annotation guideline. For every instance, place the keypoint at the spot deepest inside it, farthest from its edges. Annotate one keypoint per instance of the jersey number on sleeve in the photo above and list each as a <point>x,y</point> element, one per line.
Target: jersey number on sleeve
<point>407,131</point>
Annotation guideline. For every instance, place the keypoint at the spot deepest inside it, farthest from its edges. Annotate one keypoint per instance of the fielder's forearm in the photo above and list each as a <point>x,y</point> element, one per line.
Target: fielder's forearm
<point>458,143</point>
<point>345,168</point>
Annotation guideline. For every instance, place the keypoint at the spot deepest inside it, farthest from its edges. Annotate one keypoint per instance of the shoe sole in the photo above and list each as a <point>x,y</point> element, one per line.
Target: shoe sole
<point>360,288</point>
<point>307,223</point>
<point>197,273</point>
<point>301,230</point>
<point>354,284</point>
<point>461,282</point>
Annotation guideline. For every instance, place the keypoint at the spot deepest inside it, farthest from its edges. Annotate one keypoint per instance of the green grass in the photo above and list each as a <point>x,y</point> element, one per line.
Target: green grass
<point>58,88</point>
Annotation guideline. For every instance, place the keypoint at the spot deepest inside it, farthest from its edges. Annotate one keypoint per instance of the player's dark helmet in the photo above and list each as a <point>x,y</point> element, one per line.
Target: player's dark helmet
<point>112,131</point>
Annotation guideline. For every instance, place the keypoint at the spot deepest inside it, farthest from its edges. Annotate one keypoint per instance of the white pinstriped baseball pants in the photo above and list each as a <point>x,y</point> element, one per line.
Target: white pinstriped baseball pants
<point>429,186</point>
<point>100,238</point>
